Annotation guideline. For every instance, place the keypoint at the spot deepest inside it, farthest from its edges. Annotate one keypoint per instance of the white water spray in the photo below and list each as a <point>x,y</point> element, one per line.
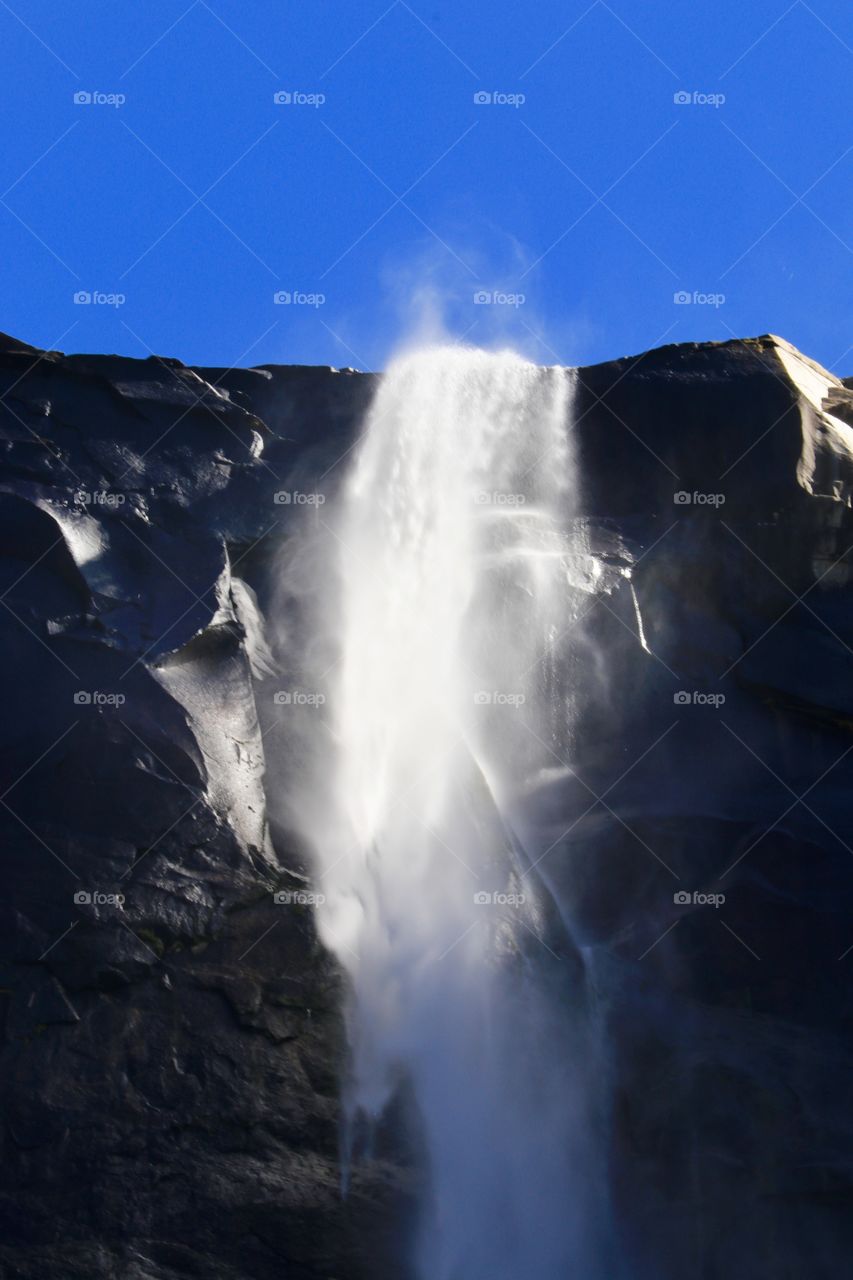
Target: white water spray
<point>450,602</point>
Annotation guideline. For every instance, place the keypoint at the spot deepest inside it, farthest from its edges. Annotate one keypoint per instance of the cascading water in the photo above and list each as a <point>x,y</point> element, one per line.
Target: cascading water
<point>450,601</point>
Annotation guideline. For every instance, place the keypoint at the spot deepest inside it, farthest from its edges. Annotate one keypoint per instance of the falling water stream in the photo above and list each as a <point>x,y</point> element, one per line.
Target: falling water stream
<point>450,603</point>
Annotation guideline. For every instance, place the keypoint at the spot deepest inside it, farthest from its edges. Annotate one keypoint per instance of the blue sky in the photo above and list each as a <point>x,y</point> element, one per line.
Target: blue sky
<point>383,198</point>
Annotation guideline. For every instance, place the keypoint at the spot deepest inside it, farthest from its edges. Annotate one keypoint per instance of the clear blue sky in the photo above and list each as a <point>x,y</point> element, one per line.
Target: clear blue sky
<point>399,197</point>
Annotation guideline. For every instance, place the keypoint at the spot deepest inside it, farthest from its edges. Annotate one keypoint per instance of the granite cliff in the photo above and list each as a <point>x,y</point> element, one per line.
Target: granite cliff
<point>172,1033</point>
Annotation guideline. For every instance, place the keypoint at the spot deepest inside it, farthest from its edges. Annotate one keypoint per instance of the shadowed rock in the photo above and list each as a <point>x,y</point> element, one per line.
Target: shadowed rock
<point>172,1037</point>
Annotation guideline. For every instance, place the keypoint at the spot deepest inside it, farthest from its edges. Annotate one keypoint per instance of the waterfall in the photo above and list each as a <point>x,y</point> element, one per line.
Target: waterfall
<point>450,605</point>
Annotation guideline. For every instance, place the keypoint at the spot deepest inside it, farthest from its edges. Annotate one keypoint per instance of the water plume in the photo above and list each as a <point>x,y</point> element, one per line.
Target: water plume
<point>448,603</point>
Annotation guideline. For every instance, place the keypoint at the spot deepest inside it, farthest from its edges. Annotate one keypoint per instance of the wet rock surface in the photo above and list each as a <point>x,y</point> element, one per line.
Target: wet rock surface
<point>173,1039</point>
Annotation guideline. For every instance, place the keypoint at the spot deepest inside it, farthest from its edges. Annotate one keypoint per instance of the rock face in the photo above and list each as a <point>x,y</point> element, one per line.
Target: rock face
<point>172,1038</point>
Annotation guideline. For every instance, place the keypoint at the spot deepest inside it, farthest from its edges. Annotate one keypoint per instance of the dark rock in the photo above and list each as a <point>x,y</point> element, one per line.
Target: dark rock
<point>172,1037</point>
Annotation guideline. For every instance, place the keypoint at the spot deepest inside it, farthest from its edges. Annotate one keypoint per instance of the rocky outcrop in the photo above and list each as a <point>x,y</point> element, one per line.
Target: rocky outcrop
<point>172,1038</point>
